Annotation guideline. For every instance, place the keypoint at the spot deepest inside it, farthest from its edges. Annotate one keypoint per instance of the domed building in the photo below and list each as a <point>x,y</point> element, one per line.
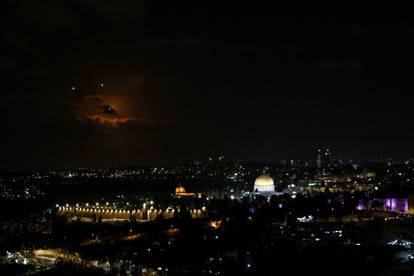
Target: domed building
<point>264,185</point>
<point>180,191</point>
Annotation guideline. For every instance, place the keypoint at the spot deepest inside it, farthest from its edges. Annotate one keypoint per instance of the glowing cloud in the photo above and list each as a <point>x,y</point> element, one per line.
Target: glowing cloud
<point>98,109</point>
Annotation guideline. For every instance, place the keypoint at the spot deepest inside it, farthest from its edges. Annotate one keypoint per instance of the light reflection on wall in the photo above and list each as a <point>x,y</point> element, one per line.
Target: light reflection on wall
<point>361,205</point>
<point>389,204</point>
<point>396,205</point>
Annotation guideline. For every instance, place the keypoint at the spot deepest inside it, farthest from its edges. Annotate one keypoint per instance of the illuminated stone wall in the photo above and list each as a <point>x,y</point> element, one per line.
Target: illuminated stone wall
<point>125,214</point>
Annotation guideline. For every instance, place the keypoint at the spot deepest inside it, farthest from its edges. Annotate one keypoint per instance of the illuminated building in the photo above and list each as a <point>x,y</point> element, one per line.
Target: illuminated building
<point>323,158</point>
<point>180,191</point>
<point>396,205</point>
<point>391,204</point>
<point>264,185</point>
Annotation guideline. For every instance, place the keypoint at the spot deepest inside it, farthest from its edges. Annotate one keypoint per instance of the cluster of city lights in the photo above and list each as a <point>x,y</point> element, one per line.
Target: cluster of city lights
<point>104,210</point>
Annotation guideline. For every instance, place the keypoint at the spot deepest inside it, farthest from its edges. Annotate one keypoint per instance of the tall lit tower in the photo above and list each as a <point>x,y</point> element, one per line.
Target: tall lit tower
<point>323,158</point>
<point>319,159</point>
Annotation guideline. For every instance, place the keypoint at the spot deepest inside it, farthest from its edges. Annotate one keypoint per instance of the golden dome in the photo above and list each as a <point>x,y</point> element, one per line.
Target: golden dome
<point>264,180</point>
<point>180,190</point>
<point>264,185</point>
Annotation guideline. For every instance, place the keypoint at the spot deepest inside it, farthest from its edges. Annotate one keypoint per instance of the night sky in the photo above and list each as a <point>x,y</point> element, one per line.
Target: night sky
<point>94,83</point>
